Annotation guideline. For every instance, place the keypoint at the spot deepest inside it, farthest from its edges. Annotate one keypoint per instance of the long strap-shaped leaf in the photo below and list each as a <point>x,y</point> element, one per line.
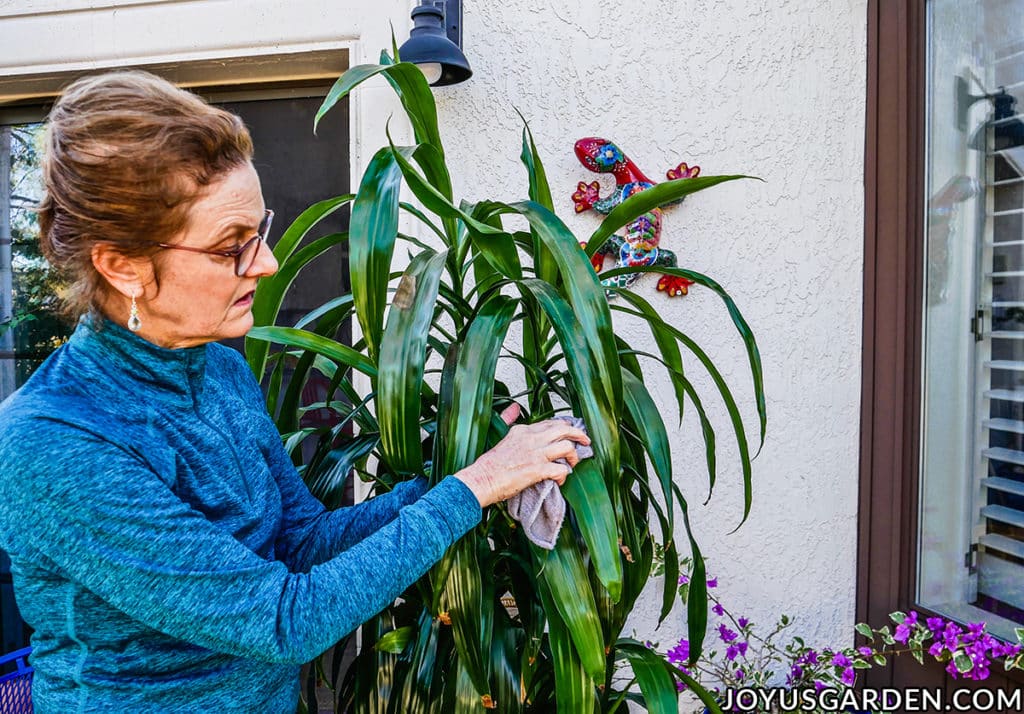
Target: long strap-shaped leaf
<point>593,400</point>
<point>540,192</point>
<point>493,243</point>
<point>656,683</point>
<point>402,356</point>
<point>565,577</point>
<point>640,203</point>
<point>749,342</point>
<point>585,294</point>
<point>585,490</point>
<point>470,611</point>
<point>270,291</point>
<point>464,414</point>
<point>650,428</point>
<point>574,688</point>
<point>372,243</point>
<point>647,312</point>
<point>411,87</point>
<point>332,349</point>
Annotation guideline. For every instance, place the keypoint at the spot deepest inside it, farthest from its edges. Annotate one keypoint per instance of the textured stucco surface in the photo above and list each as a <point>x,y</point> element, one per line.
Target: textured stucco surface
<point>773,89</point>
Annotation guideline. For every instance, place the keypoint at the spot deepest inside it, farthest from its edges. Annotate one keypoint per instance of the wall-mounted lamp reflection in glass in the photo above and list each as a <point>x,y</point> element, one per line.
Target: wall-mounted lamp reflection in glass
<point>1007,128</point>
<point>435,42</point>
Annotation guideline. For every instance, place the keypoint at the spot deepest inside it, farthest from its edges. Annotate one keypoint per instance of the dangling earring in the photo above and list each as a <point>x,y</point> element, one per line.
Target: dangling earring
<point>134,323</point>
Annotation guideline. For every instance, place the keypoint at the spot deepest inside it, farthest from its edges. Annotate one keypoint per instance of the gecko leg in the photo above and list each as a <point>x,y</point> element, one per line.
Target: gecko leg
<point>671,285</point>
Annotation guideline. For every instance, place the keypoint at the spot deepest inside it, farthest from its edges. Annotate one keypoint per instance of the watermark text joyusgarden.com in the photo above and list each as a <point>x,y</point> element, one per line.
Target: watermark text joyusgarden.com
<point>902,700</point>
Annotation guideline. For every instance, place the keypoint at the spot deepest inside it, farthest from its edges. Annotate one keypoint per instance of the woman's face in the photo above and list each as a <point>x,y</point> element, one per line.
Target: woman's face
<point>199,298</point>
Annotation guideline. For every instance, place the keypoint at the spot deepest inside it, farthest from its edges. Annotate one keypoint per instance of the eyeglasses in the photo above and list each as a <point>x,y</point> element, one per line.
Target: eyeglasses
<point>245,254</point>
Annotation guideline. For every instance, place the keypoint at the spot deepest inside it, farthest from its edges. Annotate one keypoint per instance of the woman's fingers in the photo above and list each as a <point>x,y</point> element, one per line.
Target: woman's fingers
<point>563,449</point>
<point>556,429</point>
<point>510,413</point>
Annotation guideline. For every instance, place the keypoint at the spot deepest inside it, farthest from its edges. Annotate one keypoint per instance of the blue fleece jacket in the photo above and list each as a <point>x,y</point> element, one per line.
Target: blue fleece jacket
<point>163,547</point>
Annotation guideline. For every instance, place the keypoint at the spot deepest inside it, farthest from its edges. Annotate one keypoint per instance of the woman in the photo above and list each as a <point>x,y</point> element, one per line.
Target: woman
<point>164,549</point>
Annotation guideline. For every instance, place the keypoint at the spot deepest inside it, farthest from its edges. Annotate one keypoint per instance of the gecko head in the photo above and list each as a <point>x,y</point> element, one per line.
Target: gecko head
<point>599,155</point>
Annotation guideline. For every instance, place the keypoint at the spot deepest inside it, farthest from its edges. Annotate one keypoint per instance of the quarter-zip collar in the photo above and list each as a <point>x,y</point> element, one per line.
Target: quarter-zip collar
<point>140,365</point>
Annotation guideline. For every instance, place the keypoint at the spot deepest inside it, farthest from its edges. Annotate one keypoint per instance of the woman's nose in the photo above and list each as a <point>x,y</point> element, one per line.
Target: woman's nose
<point>265,264</point>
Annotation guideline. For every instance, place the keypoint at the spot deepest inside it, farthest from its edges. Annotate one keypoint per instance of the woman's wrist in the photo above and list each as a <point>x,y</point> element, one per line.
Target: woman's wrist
<point>473,481</point>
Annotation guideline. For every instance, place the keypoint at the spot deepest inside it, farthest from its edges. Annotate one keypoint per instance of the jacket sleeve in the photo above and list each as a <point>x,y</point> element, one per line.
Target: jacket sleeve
<point>110,523</point>
<point>311,534</point>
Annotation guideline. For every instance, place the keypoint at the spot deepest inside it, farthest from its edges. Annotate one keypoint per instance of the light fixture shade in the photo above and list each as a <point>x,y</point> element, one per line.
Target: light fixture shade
<point>428,44</point>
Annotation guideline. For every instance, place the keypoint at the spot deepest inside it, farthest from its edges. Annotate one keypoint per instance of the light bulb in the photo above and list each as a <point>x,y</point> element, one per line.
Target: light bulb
<point>431,70</point>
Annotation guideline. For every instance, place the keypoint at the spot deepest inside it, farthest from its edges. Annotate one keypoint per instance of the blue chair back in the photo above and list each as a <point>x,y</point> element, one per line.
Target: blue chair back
<point>16,686</point>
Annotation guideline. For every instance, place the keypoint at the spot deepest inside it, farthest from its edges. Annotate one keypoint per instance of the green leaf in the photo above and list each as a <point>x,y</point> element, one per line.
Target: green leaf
<point>656,682</point>
<point>879,660</point>
<point>586,493</point>
<point>565,576</point>
<point>270,291</point>
<point>898,617</point>
<point>540,192</point>
<point>341,354</point>
<point>402,356</point>
<point>574,689</point>
<point>597,413</point>
<point>963,663</point>
<point>467,387</point>
<point>586,296</point>
<point>373,230</point>
<point>396,640</point>
<point>647,200</point>
<point>410,85</point>
<point>466,603</point>
<point>865,630</point>
<point>646,420</point>
<point>723,388</point>
<point>697,600</point>
<point>749,342</point>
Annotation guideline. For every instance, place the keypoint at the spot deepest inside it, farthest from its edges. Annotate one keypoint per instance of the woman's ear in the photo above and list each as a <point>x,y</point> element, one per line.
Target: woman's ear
<point>128,276</point>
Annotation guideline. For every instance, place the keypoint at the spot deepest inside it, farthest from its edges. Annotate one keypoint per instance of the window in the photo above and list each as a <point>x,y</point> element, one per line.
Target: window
<point>971,493</point>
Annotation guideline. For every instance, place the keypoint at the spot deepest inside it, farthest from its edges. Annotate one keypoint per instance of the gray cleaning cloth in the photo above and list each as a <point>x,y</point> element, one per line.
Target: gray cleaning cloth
<point>540,508</point>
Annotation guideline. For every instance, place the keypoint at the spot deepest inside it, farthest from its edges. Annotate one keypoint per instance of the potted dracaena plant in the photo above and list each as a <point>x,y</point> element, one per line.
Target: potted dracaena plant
<point>498,623</point>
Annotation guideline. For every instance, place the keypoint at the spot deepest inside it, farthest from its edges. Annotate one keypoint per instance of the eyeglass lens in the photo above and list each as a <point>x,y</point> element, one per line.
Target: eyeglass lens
<point>248,255</point>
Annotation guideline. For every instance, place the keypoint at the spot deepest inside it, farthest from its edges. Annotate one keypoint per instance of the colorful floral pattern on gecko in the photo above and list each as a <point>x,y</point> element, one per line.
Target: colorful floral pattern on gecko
<point>640,245</point>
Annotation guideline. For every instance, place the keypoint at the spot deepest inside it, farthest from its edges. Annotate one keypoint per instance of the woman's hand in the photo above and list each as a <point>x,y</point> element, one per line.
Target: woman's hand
<point>525,456</point>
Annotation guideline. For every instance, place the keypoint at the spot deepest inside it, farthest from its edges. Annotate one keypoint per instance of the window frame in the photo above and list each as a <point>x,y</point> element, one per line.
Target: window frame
<point>890,429</point>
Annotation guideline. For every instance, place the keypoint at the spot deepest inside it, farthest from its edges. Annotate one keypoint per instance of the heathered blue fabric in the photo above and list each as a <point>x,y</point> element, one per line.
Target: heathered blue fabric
<point>163,546</point>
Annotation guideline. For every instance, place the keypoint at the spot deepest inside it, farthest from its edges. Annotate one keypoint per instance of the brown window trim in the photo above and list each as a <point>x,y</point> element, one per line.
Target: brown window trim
<point>893,288</point>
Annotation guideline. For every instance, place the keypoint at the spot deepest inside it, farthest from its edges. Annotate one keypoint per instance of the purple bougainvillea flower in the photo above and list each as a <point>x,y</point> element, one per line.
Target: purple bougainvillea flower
<point>818,686</point>
<point>726,634</point>
<point>743,648</point>
<point>680,653</point>
<point>866,651</point>
<point>902,633</point>
<point>849,676</point>
<point>683,580</point>
<point>718,609</point>
<point>739,674</point>
<point>713,583</point>
<point>841,660</point>
<point>731,652</point>
<point>935,624</point>
<point>911,619</point>
<point>743,622</point>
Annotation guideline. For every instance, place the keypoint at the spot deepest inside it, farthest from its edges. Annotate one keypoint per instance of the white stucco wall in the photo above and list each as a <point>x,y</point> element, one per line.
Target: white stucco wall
<point>773,89</point>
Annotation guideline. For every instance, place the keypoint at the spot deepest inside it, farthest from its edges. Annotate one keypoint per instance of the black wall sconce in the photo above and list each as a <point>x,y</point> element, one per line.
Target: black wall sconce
<point>435,42</point>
